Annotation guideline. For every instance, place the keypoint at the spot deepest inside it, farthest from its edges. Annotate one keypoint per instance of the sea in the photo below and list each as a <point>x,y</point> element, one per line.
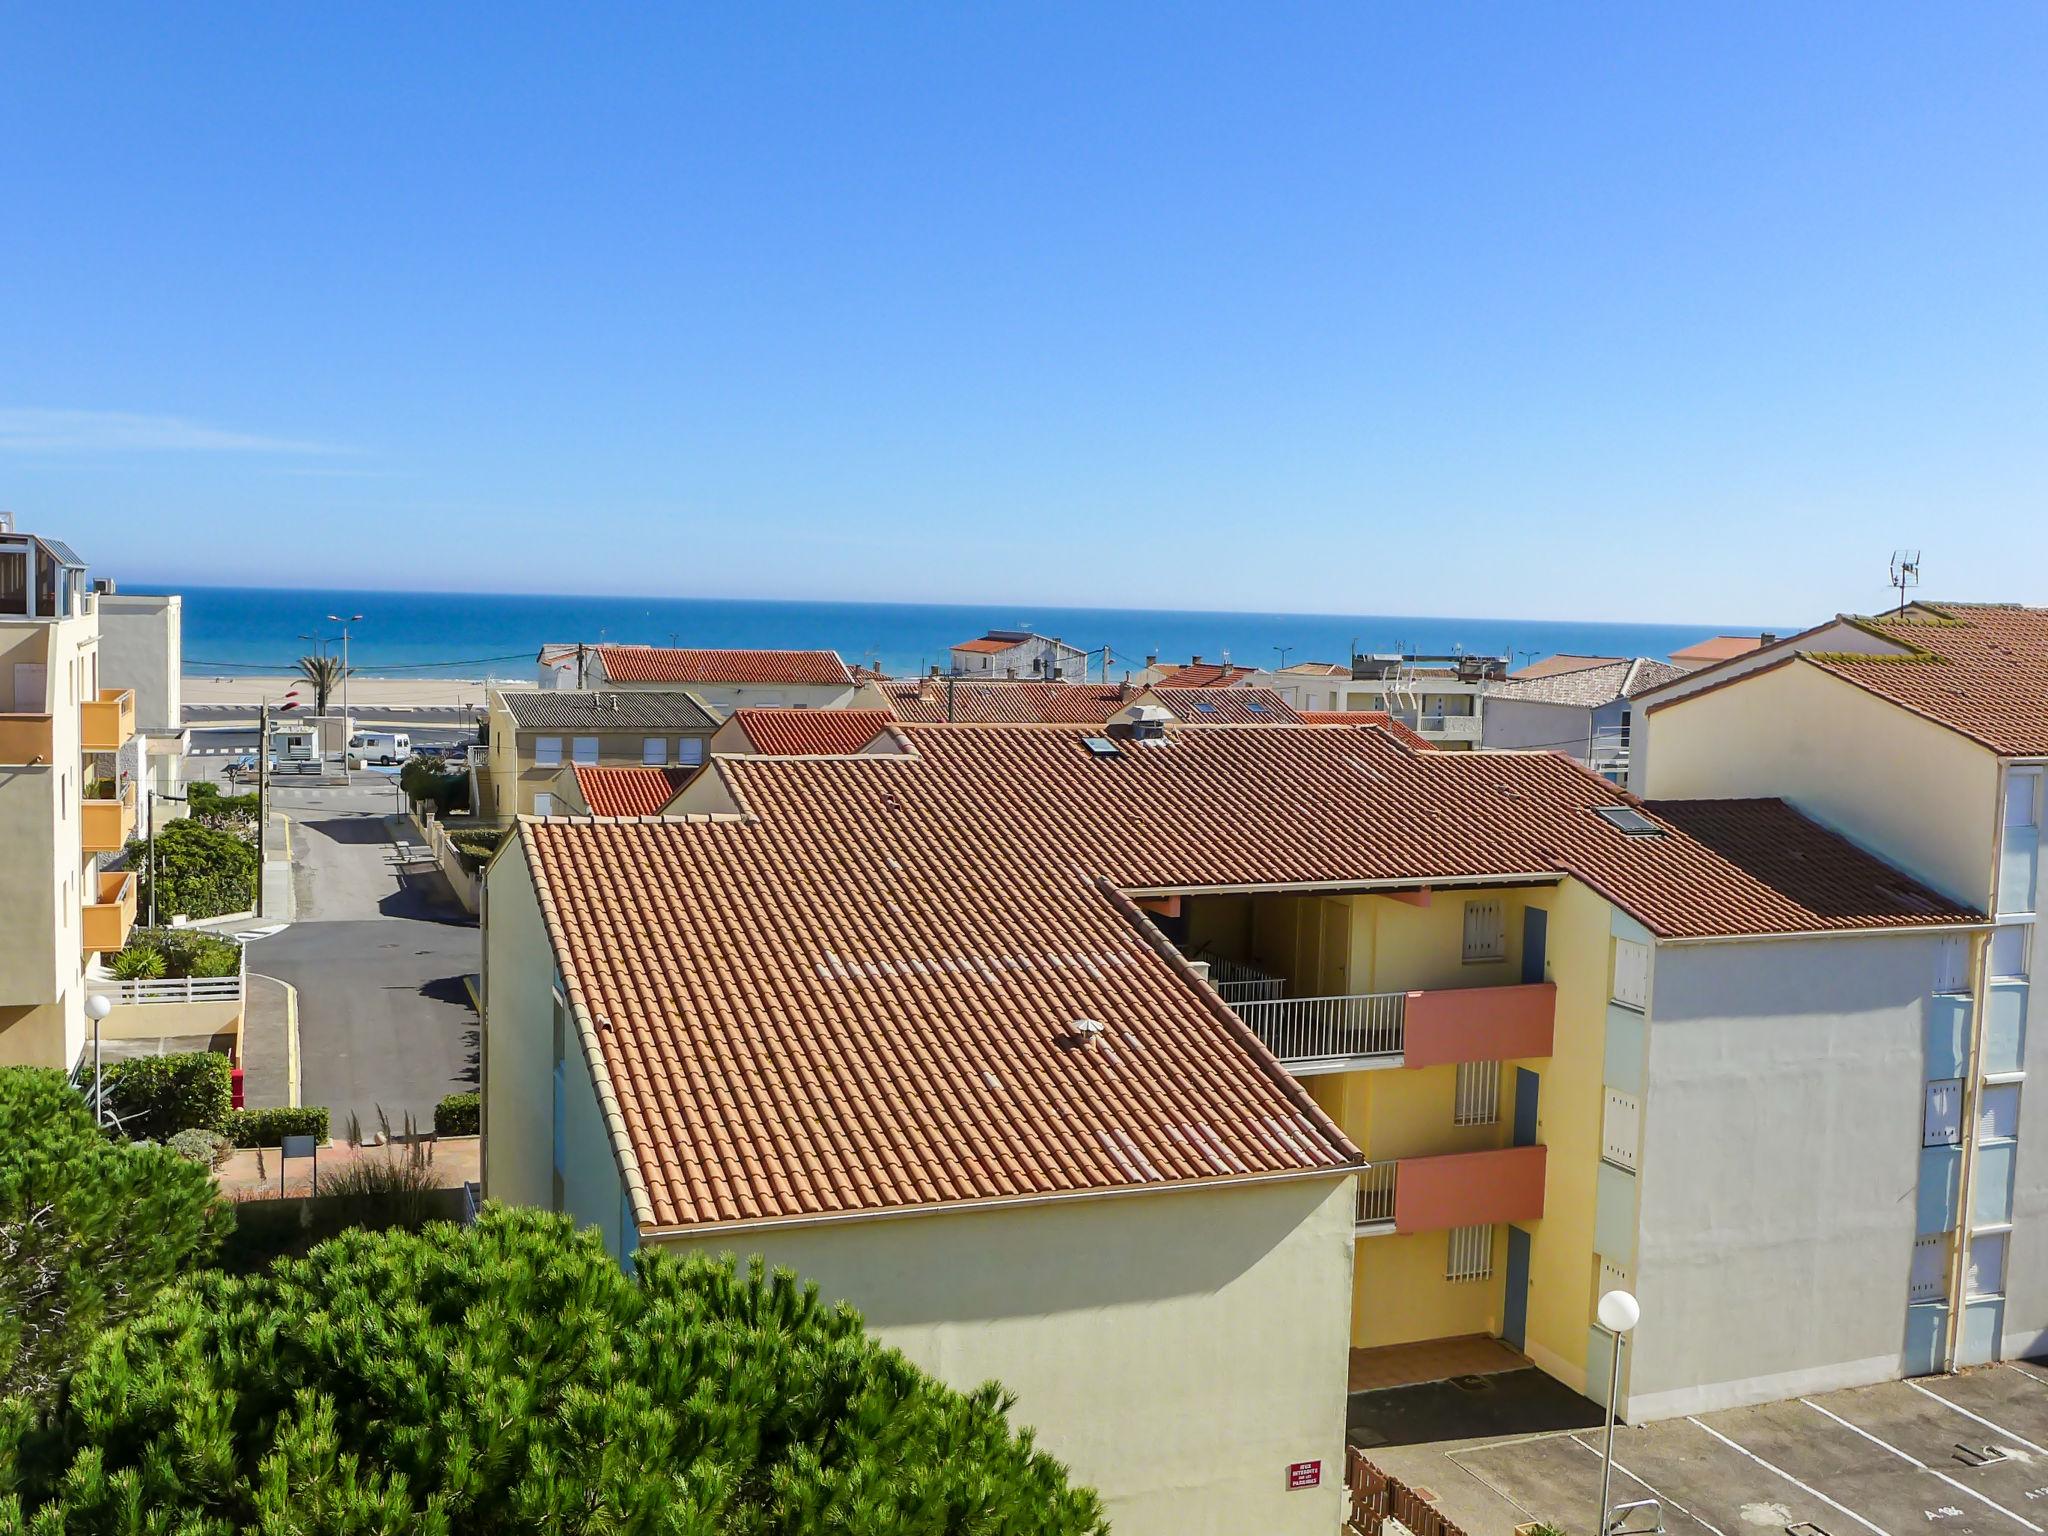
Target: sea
<point>230,631</point>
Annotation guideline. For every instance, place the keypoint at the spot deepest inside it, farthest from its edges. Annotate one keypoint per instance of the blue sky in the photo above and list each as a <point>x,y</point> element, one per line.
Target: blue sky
<point>1630,312</point>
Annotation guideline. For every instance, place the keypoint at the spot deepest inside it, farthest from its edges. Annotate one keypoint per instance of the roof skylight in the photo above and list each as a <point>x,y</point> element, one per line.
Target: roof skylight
<point>1627,820</point>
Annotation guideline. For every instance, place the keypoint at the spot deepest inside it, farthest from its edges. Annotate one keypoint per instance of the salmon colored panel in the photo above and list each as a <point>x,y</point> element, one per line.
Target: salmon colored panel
<point>1469,1189</point>
<point>1479,1024</point>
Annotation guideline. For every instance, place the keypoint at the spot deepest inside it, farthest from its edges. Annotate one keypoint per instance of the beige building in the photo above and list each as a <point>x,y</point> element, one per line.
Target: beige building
<point>537,735</point>
<point>142,649</point>
<point>69,759</point>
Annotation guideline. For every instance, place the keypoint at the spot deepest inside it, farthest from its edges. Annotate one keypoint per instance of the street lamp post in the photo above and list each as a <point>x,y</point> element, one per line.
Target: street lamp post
<point>1618,1312</point>
<point>345,620</point>
<point>97,1007</point>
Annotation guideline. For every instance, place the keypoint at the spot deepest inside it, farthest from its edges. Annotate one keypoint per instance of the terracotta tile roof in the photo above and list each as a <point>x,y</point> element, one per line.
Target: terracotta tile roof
<point>1590,687</point>
<point>661,664</point>
<point>1225,706</point>
<point>631,791</point>
<point>1407,735</point>
<point>988,645</point>
<point>1207,675</point>
<point>1563,661</point>
<point>1022,702</point>
<point>863,993</point>
<point>607,709</point>
<point>1978,668</point>
<point>812,732</point>
<point>1717,648</point>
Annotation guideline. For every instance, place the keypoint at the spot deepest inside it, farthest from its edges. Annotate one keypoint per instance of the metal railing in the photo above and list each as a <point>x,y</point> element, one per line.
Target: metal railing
<point>1265,990</point>
<point>1323,1028</point>
<point>184,989</point>
<point>1376,1193</point>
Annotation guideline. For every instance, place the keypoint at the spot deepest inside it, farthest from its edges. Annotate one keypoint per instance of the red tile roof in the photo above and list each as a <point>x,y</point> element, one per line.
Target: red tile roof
<point>660,664</point>
<point>812,732</point>
<point>1226,706</point>
<point>1563,661</point>
<point>1022,702</point>
<point>864,993</point>
<point>1980,669</point>
<point>1409,737</point>
<point>1207,675</point>
<point>1716,648</point>
<point>988,645</point>
<point>630,791</point>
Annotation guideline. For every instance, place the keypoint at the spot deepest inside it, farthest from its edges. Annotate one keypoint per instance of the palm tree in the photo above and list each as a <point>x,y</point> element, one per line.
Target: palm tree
<point>324,673</point>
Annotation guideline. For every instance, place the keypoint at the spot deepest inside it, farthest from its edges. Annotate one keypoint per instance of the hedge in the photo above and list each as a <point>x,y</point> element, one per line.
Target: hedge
<point>460,1114</point>
<point>269,1127</point>
<point>158,1096</point>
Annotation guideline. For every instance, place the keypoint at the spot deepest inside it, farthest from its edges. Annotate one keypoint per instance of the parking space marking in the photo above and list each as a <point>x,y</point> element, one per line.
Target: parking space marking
<point>1656,1493</point>
<point>1788,1477</point>
<point>1959,1408</point>
<point>1907,1456</point>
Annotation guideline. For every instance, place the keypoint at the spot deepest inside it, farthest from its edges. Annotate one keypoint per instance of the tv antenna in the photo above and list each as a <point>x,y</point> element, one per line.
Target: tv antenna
<point>1905,573</point>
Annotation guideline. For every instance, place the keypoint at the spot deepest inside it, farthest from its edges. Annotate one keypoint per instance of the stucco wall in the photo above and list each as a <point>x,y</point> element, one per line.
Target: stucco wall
<point>142,647</point>
<point>1780,1156</point>
<point>518,1048</point>
<point>1178,1350</point>
<point>1919,795</point>
<point>1532,725</point>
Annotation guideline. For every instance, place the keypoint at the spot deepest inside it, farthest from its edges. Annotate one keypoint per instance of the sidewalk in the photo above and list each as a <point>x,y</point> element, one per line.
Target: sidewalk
<point>270,1044</point>
<point>279,900</point>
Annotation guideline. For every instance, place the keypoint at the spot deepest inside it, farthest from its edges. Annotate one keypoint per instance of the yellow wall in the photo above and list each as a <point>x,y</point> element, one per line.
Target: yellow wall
<point>1921,796</point>
<point>1177,1350</point>
<point>1400,1294</point>
<point>514,777</point>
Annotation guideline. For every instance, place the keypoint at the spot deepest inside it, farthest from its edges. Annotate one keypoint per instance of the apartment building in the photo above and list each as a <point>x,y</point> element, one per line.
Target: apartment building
<point>1586,712</point>
<point>69,759</point>
<point>142,649</point>
<point>1578,1040</point>
<point>1921,735</point>
<point>1443,698</point>
<point>1018,653</point>
<point>725,680</point>
<point>537,734</point>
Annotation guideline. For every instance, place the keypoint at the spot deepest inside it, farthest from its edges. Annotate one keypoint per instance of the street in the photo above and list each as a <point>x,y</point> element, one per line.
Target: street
<point>378,954</point>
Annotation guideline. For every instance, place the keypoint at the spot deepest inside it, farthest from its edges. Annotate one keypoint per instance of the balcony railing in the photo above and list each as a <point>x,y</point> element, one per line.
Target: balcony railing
<point>105,724</point>
<point>104,825</point>
<point>26,739</point>
<point>106,921</point>
<point>1331,1034</point>
<point>1376,1195</point>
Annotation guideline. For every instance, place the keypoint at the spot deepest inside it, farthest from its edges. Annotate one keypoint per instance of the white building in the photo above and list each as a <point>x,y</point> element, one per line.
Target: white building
<point>142,648</point>
<point>1020,653</point>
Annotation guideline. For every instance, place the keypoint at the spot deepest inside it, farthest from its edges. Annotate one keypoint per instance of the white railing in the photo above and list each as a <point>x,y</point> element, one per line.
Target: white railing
<point>1265,990</point>
<point>1305,1029</point>
<point>1376,1193</point>
<point>188,989</point>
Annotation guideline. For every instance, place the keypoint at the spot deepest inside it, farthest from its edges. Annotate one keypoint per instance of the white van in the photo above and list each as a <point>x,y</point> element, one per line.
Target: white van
<point>382,747</point>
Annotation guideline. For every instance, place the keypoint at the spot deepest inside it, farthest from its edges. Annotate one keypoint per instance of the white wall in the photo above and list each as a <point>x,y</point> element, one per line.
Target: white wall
<point>1177,1350</point>
<point>1779,1164</point>
<point>142,647</point>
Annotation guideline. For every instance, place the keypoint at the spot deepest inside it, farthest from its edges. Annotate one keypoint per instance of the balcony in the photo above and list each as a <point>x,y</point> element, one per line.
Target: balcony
<point>1459,1189</point>
<point>105,824</point>
<point>1313,1035</point>
<point>26,739</point>
<point>107,920</point>
<point>1439,726</point>
<point>107,724</point>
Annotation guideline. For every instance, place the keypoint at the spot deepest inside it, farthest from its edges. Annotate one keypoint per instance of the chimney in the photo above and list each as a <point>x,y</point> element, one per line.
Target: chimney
<point>1151,658</point>
<point>1766,638</point>
<point>1194,661</point>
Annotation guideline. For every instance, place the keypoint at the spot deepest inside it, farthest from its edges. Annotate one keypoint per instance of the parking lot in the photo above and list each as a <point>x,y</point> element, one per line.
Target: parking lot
<point>1965,1453</point>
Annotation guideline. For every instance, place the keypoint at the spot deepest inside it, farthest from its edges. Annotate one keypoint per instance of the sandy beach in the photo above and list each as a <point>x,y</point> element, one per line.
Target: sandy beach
<point>363,692</point>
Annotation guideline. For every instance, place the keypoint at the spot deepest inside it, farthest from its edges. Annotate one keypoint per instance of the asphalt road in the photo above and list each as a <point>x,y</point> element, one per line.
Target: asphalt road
<point>219,740</point>
<point>378,954</point>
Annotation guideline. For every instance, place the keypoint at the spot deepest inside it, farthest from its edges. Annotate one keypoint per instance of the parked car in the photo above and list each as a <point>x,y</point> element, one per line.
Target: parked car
<point>385,748</point>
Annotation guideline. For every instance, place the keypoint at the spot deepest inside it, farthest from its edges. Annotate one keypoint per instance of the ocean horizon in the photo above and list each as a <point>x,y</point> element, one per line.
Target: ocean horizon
<point>231,631</point>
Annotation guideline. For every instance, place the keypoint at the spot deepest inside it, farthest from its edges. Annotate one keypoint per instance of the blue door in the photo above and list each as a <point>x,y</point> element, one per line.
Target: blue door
<point>1514,1320</point>
<point>1526,1083</point>
<point>1535,934</point>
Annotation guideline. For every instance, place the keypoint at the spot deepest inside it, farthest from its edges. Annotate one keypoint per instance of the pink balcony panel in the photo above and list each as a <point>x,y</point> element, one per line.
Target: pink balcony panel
<point>1480,1024</point>
<point>1469,1189</point>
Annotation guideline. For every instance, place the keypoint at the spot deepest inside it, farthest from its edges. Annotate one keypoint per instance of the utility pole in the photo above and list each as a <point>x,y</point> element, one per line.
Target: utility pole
<point>149,826</point>
<point>262,805</point>
<point>354,618</point>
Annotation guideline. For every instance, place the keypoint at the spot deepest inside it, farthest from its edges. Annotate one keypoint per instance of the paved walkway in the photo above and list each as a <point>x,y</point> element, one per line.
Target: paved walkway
<point>269,1044</point>
<point>253,1172</point>
<point>1402,1365</point>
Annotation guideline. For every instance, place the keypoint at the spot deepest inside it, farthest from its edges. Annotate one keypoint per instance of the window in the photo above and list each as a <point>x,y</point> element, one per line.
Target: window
<point>2009,949</point>
<point>543,803</point>
<point>2021,790</point>
<point>1998,1112</point>
<point>1486,932</point>
<point>654,751</point>
<point>1985,1274</point>
<point>1621,1128</point>
<point>1952,966</point>
<point>1628,821</point>
<point>1471,1254</point>
<point>690,750</point>
<point>547,751</point>
<point>1929,1280</point>
<point>1478,1093</point>
<point>584,750</point>
<point>1942,1125</point>
<point>1631,974</point>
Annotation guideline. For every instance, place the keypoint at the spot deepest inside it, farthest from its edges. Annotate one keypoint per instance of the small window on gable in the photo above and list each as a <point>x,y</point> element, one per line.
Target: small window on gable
<point>543,804</point>
<point>2022,790</point>
<point>653,751</point>
<point>586,750</point>
<point>1486,931</point>
<point>689,750</point>
<point>1631,974</point>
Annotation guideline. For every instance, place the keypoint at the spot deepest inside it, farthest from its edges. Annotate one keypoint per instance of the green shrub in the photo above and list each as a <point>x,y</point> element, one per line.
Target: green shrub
<point>205,1148</point>
<point>201,871</point>
<point>138,962</point>
<point>423,778</point>
<point>377,1191</point>
<point>158,1096</point>
<point>460,1114</point>
<point>269,1127</point>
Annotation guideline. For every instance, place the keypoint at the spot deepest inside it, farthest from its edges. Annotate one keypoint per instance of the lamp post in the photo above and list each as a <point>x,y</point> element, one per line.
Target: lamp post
<point>97,1007</point>
<point>1618,1312</point>
<point>344,620</point>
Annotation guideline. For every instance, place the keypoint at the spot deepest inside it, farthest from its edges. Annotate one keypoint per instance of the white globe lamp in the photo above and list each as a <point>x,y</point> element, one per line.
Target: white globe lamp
<point>97,1007</point>
<point>1619,1312</point>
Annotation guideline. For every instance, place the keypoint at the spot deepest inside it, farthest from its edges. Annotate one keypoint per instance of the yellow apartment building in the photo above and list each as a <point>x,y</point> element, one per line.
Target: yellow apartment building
<point>538,736</point>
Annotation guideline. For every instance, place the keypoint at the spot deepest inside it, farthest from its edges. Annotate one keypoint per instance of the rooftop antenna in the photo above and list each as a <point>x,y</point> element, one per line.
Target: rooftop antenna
<point>1905,573</point>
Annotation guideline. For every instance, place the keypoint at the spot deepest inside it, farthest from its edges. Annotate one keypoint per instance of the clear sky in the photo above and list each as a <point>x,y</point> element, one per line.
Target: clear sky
<point>1634,312</point>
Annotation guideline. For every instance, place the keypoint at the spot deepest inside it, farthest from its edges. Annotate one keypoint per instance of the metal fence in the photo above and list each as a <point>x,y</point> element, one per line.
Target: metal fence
<point>1322,1028</point>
